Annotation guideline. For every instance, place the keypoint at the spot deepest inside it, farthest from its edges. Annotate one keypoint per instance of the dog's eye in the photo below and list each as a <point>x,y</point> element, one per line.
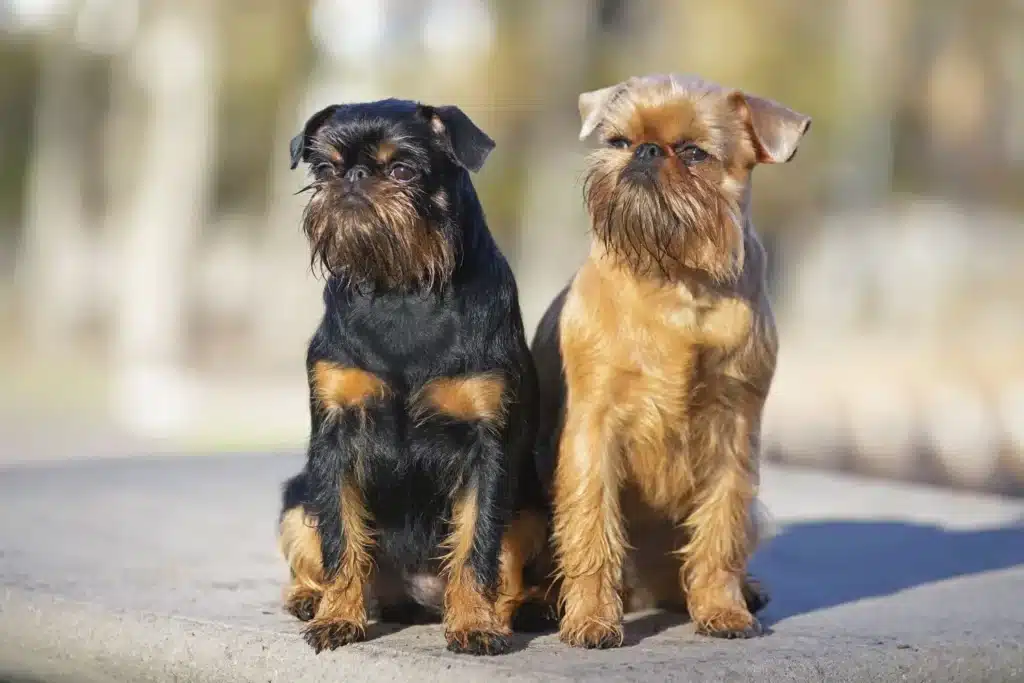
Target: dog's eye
<point>402,173</point>
<point>324,167</point>
<point>618,143</point>
<point>691,153</point>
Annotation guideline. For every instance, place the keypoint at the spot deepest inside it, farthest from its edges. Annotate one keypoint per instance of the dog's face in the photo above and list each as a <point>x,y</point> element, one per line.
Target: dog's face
<point>388,180</point>
<point>667,189</point>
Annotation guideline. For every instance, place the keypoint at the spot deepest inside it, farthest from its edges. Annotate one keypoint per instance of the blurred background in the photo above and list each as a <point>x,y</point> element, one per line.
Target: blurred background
<point>155,290</point>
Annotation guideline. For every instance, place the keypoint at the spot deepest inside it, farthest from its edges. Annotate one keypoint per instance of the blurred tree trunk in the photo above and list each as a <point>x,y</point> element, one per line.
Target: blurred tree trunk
<point>552,222</point>
<point>290,301</point>
<point>867,42</point>
<point>52,263</point>
<point>173,63</point>
<point>289,294</point>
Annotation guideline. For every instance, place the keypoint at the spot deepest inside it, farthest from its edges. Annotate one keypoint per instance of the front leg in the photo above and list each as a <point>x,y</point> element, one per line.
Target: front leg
<point>721,529</point>
<point>472,566</point>
<point>346,543</point>
<point>341,431</point>
<point>588,531</point>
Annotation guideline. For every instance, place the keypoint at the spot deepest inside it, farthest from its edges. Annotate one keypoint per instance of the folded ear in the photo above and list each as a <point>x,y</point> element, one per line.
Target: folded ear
<point>592,107</point>
<point>468,145</point>
<point>299,144</point>
<point>775,130</point>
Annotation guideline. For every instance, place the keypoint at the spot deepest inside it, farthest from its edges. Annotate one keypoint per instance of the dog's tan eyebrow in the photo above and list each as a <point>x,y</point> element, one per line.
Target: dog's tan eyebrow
<point>385,151</point>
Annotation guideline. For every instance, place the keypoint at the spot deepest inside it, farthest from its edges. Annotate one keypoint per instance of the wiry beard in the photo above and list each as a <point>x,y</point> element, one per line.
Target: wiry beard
<point>385,244</point>
<point>664,231</point>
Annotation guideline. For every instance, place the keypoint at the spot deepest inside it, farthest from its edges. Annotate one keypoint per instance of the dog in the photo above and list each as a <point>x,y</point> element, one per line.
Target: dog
<point>415,499</point>
<point>655,362</point>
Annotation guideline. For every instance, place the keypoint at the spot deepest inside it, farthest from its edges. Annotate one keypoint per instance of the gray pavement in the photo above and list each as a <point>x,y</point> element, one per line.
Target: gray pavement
<point>164,569</point>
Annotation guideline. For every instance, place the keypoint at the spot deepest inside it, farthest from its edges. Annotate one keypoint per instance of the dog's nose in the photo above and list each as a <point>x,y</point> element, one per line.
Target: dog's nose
<point>648,151</point>
<point>357,173</point>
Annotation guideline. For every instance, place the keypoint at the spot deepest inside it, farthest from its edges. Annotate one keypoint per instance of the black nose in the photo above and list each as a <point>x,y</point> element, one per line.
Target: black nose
<point>648,151</point>
<point>357,173</point>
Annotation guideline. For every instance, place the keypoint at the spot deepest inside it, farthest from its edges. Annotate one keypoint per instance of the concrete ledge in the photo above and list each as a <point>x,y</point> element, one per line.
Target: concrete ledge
<point>163,569</point>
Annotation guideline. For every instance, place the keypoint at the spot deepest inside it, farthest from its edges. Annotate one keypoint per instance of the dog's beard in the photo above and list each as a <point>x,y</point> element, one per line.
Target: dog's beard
<point>385,244</point>
<point>663,227</point>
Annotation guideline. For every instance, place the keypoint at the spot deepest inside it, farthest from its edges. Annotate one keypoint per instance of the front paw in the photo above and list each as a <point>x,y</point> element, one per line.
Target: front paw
<point>591,635</point>
<point>477,642</point>
<point>325,634</point>
<point>729,623</point>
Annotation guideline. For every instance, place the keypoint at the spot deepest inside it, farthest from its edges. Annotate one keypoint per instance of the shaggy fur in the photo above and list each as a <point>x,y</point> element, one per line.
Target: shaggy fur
<point>419,496</point>
<point>656,361</point>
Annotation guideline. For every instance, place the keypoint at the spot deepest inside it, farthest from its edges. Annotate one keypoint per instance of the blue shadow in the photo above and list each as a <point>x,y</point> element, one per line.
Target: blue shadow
<point>816,565</point>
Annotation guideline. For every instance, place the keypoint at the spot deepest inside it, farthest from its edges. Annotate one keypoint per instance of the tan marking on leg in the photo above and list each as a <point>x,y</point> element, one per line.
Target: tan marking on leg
<point>341,617</point>
<point>470,618</point>
<point>523,541</point>
<point>300,545</point>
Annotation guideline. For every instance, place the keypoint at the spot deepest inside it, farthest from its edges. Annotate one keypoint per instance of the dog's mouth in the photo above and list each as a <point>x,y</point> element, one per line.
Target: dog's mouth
<point>376,240</point>
<point>660,226</point>
<point>642,175</point>
<point>353,198</point>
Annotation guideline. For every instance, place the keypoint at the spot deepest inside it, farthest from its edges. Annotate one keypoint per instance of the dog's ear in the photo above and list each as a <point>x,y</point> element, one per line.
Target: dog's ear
<point>592,107</point>
<point>300,143</point>
<point>468,145</point>
<point>775,130</point>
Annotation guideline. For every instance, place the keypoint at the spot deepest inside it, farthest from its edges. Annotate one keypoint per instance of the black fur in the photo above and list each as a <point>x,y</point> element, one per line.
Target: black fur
<point>466,323</point>
<point>547,355</point>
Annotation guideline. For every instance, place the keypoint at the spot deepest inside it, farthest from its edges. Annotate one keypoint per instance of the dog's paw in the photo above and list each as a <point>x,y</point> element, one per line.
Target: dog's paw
<point>330,635</point>
<point>303,607</point>
<point>593,635</point>
<point>729,623</point>
<point>477,642</point>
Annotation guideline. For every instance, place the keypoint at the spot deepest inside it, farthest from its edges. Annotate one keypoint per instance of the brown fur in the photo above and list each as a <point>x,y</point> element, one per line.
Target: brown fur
<point>668,346</point>
<point>300,545</point>
<point>524,541</point>
<point>385,151</point>
<point>342,606</point>
<point>472,397</point>
<point>338,387</point>
<point>383,242</point>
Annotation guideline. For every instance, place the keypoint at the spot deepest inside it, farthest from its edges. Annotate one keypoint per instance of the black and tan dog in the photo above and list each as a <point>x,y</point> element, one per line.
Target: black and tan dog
<point>656,361</point>
<point>422,391</point>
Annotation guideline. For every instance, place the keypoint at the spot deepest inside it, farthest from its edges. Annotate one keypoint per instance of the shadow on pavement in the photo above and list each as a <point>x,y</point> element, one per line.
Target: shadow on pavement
<point>816,565</point>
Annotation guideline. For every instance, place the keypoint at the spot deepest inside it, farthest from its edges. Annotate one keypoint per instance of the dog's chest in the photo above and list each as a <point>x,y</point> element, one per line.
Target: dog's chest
<point>653,343</point>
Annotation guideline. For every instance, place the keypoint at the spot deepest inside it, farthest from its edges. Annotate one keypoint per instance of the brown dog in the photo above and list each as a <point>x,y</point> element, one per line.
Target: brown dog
<point>656,361</point>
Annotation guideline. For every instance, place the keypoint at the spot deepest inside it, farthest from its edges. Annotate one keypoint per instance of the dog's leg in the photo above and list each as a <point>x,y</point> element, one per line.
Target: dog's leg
<point>523,541</point>
<point>721,530</point>
<point>339,399</point>
<point>300,545</point>
<point>588,533</point>
<point>346,544</point>
<point>472,566</point>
